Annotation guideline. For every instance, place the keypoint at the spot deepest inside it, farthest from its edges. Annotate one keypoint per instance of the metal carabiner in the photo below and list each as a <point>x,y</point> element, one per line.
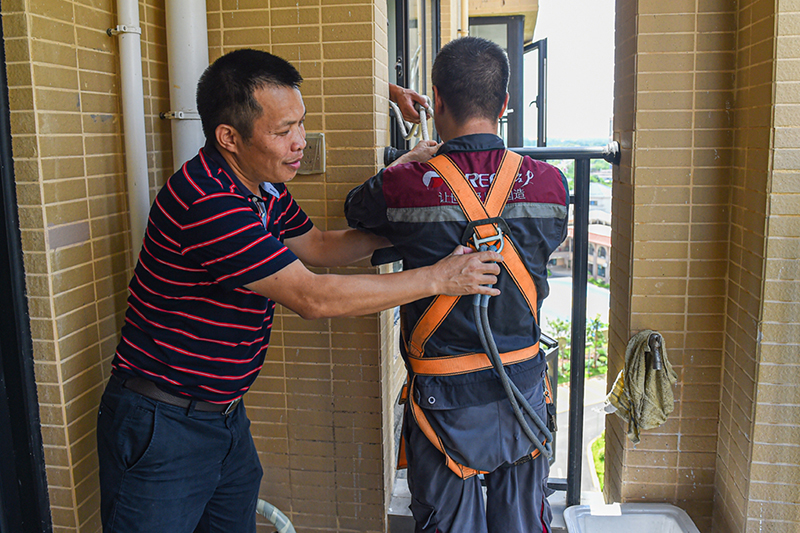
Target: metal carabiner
<point>470,234</point>
<point>477,241</point>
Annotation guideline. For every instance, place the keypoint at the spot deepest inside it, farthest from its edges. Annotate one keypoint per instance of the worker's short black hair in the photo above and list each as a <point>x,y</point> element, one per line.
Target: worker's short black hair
<point>471,76</point>
<point>225,92</point>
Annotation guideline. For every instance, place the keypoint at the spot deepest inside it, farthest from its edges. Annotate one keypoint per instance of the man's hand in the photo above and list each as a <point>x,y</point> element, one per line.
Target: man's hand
<point>422,152</point>
<point>405,100</point>
<point>467,272</point>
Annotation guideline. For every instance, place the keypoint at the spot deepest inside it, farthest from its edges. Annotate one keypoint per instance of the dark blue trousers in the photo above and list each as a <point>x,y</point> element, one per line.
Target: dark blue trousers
<point>164,469</point>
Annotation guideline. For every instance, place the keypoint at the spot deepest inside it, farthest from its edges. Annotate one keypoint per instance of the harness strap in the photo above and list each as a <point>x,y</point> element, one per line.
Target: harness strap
<point>452,365</point>
<point>493,206</point>
<point>474,209</point>
<point>428,323</point>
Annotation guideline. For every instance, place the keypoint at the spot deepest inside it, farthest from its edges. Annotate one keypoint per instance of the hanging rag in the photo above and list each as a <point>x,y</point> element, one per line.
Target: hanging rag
<point>642,395</point>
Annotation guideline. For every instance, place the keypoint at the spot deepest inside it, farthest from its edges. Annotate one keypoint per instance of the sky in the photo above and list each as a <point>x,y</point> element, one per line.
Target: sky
<point>580,56</point>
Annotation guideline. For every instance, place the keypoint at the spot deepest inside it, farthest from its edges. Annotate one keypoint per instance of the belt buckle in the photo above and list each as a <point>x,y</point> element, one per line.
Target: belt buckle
<point>231,406</point>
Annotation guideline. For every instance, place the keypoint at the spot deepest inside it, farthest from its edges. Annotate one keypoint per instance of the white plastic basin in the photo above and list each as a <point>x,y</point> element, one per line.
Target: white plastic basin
<point>638,517</point>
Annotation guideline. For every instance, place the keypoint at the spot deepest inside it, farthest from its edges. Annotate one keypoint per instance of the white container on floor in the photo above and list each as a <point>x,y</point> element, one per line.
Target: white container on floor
<point>637,517</point>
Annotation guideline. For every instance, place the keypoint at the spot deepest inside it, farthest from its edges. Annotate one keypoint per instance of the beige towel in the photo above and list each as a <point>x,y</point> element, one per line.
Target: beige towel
<point>642,396</point>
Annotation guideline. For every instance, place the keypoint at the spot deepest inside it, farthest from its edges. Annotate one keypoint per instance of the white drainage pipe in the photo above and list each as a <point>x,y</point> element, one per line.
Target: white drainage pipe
<point>130,52</point>
<point>187,55</point>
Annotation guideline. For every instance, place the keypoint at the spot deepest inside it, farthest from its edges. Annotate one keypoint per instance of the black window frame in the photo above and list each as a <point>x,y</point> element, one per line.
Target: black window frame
<point>401,60</point>
<point>540,47</point>
<point>24,501</point>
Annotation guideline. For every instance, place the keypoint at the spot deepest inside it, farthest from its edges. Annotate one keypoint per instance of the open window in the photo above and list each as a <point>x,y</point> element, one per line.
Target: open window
<point>536,73</point>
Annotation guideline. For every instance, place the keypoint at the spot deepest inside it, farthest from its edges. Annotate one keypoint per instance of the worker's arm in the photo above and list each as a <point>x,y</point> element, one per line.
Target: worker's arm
<point>334,248</point>
<point>422,153</point>
<point>328,295</point>
<point>405,100</point>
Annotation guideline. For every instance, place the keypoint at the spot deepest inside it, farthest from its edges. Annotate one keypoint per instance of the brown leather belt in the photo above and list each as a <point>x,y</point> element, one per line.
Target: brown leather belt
<point>148,389</point>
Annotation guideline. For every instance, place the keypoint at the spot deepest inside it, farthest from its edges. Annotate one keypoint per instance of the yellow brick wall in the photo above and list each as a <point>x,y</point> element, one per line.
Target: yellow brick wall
<point>671,194</point>
<point>705,239</point>
<point>748,214</point>
<point>622,230</point>
<point>68,163</point>
<point>774,483</point>
<point>451,21</point>
<point>321,410</point>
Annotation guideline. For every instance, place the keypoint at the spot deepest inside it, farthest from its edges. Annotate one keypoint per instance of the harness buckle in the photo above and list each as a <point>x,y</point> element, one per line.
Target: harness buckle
<point>471,236</point>
<point>478,242</point>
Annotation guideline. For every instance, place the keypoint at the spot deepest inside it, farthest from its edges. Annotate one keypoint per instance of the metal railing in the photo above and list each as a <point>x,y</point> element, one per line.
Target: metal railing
<point>580,202</point>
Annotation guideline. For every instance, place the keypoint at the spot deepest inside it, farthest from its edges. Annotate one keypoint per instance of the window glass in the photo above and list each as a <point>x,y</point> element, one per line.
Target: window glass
<point>415,52</point>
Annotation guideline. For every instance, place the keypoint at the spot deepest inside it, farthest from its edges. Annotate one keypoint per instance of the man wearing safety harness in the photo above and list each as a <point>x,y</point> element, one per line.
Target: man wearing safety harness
<point>476,391</point>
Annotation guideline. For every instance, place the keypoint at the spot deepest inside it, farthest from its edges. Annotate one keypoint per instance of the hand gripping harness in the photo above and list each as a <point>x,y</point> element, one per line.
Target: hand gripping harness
<point>485,225</point>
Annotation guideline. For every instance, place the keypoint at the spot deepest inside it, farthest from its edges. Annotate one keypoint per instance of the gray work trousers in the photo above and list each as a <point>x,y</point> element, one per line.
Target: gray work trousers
<point>442,502</point>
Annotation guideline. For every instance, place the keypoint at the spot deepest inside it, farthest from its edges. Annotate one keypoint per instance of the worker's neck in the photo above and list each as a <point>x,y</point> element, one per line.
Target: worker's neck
<point>470,127</point>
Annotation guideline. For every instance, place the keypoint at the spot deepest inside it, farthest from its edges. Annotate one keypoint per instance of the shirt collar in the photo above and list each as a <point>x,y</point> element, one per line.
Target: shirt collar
<point>210,150</point>
<point>476,142</point>
<point>269,188</point>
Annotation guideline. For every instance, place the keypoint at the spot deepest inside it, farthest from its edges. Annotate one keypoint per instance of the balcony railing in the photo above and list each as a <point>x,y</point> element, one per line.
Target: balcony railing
<point>580,202</point>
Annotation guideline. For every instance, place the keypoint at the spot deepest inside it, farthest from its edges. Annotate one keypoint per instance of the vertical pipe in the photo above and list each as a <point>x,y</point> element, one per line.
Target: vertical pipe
<point>464,18</point>
<point>130,52</point>
<point>577,367</point>
<point>541,101</point>
<point>187,55</point>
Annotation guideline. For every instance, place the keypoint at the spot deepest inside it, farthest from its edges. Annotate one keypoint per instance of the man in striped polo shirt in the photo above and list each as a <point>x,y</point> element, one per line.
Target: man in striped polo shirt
<point>220,250</point>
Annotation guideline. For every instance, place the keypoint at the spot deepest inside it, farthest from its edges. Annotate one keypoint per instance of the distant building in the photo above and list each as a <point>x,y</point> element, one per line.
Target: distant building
<point>604,175</point>
<point>600,197</point>
<point>599,259</point>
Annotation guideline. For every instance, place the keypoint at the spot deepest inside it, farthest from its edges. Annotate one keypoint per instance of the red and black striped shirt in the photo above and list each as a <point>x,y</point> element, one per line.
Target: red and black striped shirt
<point>191,325</point>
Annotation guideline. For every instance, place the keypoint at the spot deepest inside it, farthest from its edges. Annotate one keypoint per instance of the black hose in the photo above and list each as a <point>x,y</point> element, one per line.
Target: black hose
<point>498,364</point>
<point>480,306</point>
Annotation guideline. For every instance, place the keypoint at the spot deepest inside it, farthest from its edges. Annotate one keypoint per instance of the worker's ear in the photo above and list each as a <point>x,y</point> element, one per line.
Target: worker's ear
<point>438,103</point>
<point>503,110</point>
<point>228,138</point>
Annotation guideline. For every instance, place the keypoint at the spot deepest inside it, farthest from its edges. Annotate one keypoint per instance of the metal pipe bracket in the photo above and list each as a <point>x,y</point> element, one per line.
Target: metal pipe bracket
<point>122,28</point>
<point>180,115</point>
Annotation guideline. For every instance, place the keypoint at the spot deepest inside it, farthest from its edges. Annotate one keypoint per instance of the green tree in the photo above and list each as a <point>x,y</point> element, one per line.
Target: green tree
<point>596,337</point>
<point>561,330</point>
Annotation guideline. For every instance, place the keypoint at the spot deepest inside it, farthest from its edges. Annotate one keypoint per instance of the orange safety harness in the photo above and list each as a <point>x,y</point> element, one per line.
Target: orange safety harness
<point>484,219</point>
